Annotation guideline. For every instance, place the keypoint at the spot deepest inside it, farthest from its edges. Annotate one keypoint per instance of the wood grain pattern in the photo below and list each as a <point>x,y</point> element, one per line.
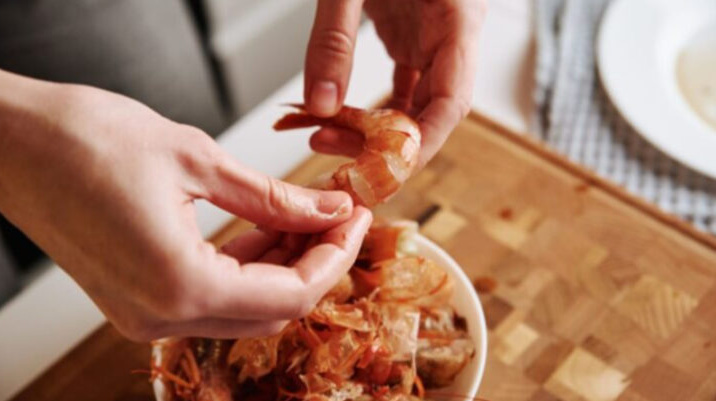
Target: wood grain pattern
<point>590,294</point>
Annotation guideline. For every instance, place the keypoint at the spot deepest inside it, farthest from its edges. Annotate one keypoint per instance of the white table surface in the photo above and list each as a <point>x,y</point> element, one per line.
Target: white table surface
<point>53,314</point>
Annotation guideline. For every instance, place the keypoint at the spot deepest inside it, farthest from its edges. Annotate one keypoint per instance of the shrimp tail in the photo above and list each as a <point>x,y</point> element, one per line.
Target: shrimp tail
<point>299,119</point>
<point>296,120</point>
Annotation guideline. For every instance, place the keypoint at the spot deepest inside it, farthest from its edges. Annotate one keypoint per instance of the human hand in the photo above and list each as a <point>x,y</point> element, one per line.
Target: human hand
<point>106,187</point>
<point>433,44</point>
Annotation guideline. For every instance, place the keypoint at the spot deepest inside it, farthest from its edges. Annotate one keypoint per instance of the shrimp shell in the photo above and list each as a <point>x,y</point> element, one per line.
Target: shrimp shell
<point>390,151</point>
<point>388,332</point>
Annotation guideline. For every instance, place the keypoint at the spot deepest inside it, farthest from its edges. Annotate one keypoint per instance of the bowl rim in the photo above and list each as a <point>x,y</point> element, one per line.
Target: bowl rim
<point>459,274</point>
<point>449,264</point>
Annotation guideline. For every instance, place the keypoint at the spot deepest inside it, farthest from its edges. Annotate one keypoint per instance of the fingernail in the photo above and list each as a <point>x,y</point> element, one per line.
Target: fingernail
<point>334,204</point>
<point>324,98</point>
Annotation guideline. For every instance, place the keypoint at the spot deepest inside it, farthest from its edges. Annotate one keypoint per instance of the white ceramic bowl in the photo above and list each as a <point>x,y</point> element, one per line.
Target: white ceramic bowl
<point>467,305</point>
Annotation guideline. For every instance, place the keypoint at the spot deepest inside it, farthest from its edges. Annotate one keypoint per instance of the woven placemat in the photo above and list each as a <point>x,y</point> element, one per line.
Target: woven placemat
<point>574,116</point>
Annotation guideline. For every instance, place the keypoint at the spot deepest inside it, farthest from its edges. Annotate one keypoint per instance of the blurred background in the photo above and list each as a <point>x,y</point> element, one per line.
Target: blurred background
<point>252,48</point>
<point>258,44</point>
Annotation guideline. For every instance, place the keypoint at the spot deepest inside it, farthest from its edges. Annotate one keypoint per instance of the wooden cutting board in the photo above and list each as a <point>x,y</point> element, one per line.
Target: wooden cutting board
<point>589,293</point>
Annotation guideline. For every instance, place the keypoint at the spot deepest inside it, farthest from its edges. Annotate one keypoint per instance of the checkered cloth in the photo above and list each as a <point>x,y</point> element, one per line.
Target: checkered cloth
<point>575,117</point>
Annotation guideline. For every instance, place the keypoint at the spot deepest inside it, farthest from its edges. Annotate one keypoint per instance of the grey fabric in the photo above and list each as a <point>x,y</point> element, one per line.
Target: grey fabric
<point>574,116</point>
<point>146,49</point>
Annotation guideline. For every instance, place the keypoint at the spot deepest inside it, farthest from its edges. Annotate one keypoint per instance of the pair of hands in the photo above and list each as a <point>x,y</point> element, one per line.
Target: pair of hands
<point>106,186</point>
<point>433,44</point>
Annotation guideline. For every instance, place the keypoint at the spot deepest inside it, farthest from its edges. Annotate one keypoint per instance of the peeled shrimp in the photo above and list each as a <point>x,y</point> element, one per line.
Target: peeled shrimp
<point>390,152</point>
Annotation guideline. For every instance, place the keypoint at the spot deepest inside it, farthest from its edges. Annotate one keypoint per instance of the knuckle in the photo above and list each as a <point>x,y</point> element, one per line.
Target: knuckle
<point>335,43</point>
<point>277,196</point>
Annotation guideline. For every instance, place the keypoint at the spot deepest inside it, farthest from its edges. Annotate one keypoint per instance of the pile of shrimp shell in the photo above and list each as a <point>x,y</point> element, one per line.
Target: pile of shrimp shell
<point>386,331</point>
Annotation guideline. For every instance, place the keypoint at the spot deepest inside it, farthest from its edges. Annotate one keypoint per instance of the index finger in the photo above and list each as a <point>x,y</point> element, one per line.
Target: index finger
<point>263,291</point>
<point>329,57</point>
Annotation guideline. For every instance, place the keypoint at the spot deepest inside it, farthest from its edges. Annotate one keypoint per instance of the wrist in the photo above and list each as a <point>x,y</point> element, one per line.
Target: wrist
<point>29,110</point>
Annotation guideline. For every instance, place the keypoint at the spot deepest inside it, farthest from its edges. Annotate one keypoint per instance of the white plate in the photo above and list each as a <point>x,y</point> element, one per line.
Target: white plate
<point>638,47</point>
<point>466,303</point>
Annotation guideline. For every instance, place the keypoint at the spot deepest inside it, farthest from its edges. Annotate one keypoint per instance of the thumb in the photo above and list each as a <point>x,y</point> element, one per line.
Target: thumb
<point>272,203</point>
<point>329,57</point>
